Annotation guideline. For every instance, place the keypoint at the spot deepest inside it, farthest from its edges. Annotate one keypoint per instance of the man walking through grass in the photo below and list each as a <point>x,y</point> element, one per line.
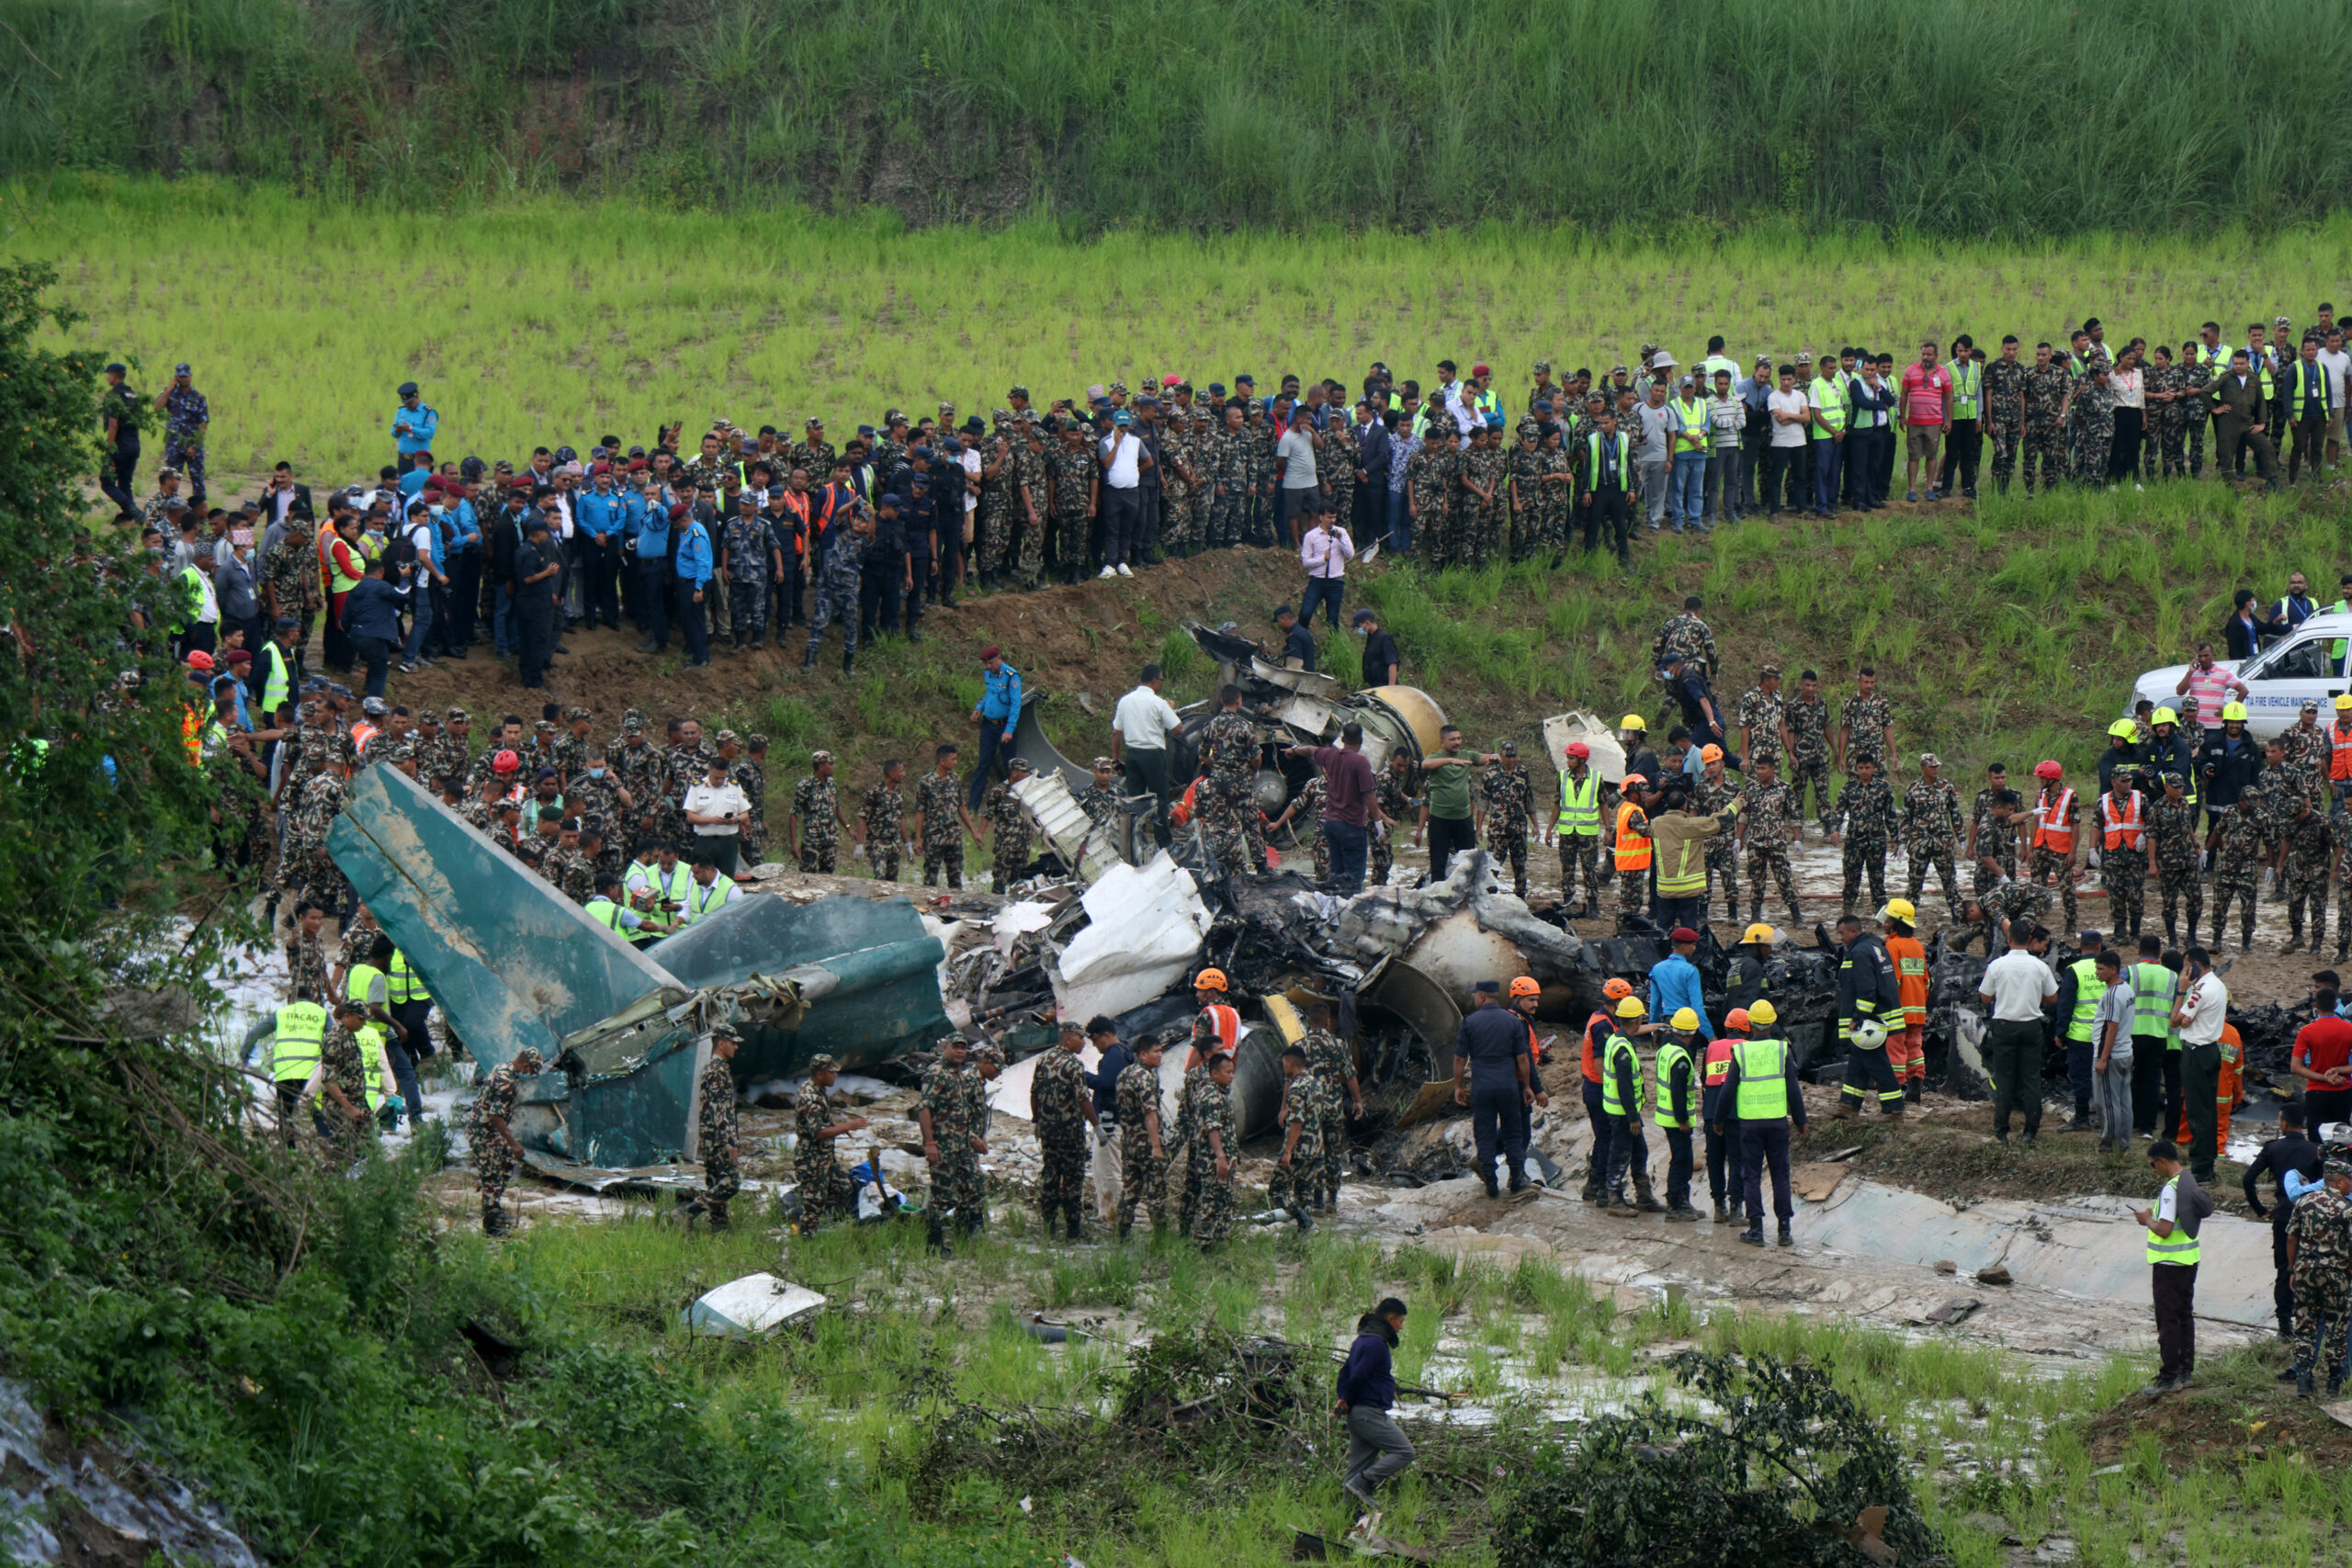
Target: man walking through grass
<point>1367,1391</point>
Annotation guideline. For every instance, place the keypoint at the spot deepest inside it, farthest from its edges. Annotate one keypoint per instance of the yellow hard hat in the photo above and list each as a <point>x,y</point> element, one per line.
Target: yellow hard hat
<point>1631,1008</point>
<point>1759,931</point>
<point>2232,711</point>
<point>2164,716</point>
<point>1633,721</point>
<point>2124,729</point>
<point>1899,909</point>
<point>2344,702</point>
<point>1684,1018</point>
<point>1761,1013</point>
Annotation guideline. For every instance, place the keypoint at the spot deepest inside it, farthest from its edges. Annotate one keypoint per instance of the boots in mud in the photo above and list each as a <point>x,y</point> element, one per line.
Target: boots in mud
<point>1645,1199</point>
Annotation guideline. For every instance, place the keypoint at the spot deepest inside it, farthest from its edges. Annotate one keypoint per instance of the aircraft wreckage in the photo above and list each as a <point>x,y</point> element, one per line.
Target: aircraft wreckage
<point>871,979</point>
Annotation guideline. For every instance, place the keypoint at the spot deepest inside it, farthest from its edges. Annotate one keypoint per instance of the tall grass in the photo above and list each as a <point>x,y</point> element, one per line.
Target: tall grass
<point>1944,117</point>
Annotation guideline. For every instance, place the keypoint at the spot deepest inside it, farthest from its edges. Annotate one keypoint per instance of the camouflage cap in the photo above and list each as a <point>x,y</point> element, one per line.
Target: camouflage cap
<point>815,758</point>
<point>1529,427</point>
<point>726,1032</point>
<point>824,1062</point>
<point>529,1054</point>
<point>955,1039</point>
<point>1019,765</point>
<point>1507,748</point>
<point>1103,763</point>
<point>726,738</point>
<point>946,410</point>
<point>1769,672</point>
<point>1118,388</point>
<point>573,714</point>
<point>633,720</point>
<point>2335,1168</point>
<point>756,743</point>
<point>1543,368</point>
<point>1001,416</point>
<point>1031,416</point>
<point>1018,393</point>
<point>545,726</point>
<point>459,716</point>
<point>1929,759</point>
<point>989,1053</point>
<point>1617,370</point>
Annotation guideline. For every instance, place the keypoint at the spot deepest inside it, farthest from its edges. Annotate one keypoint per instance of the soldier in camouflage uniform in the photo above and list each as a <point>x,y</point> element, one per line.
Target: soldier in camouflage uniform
<point>1071,463</point>
<point>1428,488</point>
<point>1212,1152</point>
<point>2124,868</point>
<point>1510,799</point>
<point>2162,384</point>
<point>1258,439</point>
<point>2001,840</point>
<point>1398,793</point>
<point>1225,804</point>
<point>306,953</point>
<point>825,1186</point>
<point>816,823</point>
<point>1711,793</point>
<point>1032,465</point>
<point>2047,385</point>
<point>1061,1108</point>
<point>304,861</point>
<point>644,770</point>
<point>2319,1233</point>
<point>571,873</point>
<point>490,1143</point>
<point>1298,1170</point>
<point>1008,822</point>
<point>1808,722</point>
<point>720,1143</point>
<point>2238,854</point>
<point>1483,472</point>
<point>1763,711</point>
<point>1335,463</point>
<point>569,755</point>
<point>2309,843</point>
<point>1687,635</point>
<point>290,583</point>
<point>1225,468</point>
<point>1523,468</point>
<point>750,566</point>
<point>1330,1062</point>
<point>1177,472</point>
<point>343,1063</point>
<point>1866,817</point>
<point>1997,900</point>
<point>1000,473</point>
<point>1768,819</point>
<point>1099,798</point>
<point>953,1137</point>
<point>2004,392</point>
<point>588,796</point>
<point>1143,1150</point>
<point>1931,830</point>
<point>2093,413</point>
<point>2197,382</point>
<point>2171,830</point>
<point>1302,821</point>
<point>883,815</point>
<point>939,807</point>
<point>812,454</point>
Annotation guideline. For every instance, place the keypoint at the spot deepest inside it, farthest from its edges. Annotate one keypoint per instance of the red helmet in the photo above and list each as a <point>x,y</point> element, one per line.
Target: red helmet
<point>505,762</point>
<point>1578,750</point>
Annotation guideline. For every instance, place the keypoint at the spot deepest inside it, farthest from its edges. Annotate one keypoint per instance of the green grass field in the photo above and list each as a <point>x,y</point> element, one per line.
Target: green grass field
<point>552,322</point>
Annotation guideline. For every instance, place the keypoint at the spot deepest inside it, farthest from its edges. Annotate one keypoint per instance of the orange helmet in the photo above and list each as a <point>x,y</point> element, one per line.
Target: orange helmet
<point>1209,980</point>
<point>1525,986</point>
<point>1617,988</point>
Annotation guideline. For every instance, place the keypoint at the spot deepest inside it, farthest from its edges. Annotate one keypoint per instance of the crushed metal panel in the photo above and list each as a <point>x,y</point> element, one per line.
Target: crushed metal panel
<point>1073,834</point>
<point>510,961</point>
<point>643,1112</point>
<point>600,1179</point>
<point>754,1305</point>
<point>1145,926</point>
<point>866,971</point>
<point>1608,757</point>
<point>1009,1093</point>
<point>1029,742</point>
<point>1396,987</point>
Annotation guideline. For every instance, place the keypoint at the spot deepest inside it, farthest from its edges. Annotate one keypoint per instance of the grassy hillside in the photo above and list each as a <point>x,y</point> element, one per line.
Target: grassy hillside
<point>558,321</point>
<point>1941,116</point>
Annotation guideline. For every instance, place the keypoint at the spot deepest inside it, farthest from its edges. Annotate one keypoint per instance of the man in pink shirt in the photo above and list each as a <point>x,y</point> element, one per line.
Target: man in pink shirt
<point>1926,419</point>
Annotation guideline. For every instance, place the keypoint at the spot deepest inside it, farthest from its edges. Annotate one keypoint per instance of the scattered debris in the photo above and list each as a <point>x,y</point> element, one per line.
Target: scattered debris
<point>1815,1180</point>
<point>1994,1274</point>
<point>1946,1265</point>
<point>753,1305</point>
<point>1953,1313</point>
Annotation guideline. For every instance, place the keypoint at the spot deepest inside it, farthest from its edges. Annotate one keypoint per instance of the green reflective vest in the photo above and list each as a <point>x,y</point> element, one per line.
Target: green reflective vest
<point>361,982</point>
<point>2087,995</point>
<point>2335,648</point>
<point>302,1034</point>
<point>405,984</point>
<point>371,1062</point>
<point>605,912</point>
<point>1668,1054</point>
<point>1967,384</point>
<point>673,886</point>
<point>2298,375</point>
<point>1592,460</point>
<point>1831,395</point>
<point>278,681</point>
<point>1579,806</point>
<point>701,900</point>
<point>1612,1102</point>
<point>2152,989</point>
<point>2180,1248</point>
<point>1693,437</point>
<point>1763,1079</point>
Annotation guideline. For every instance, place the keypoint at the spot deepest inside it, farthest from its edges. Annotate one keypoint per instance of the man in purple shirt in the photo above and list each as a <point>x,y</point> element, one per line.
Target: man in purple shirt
<point>1350,806</point>
<point>1377,1449</point>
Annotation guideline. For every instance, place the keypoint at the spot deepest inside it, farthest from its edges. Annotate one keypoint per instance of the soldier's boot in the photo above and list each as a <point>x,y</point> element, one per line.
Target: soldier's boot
<point>1306,1220</point>
<point>935,1238</point>
<point>1723,1213</point>
<point>1682,1214</point>
<point>847,660</point>
<point>1518,1177</point>
<point>1591,1193</point>
<point>1755,909</point>
<point>1126,1229</point>
<point>2304,1388</point>
<point>808,659</point>
<point>1645,1199</point>
<point>1078,1229</point>
<point>1785,1238</point>
<point>1486,1178</point>
<point>494,1221</point>
<point>2294,943</point>
<point>1754,1235</point>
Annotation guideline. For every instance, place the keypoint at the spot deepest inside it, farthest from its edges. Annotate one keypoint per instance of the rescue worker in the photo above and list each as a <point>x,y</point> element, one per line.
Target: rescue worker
<point>1624,1097</point>
<point>1906,1049</point>
<point>1760,1094</point>
<point>1632,853</point>
<point>1868,996</point>
<point>2172,1224</point>
<point>300,1032</point>
<point>1677,1108</point>
<point>2055,843</point>
<point>2079,989</point>
<point>2127,858</point>
<point>1576,828</point>
<point>1494,1075</point>
<point>1749,977</point>
<point>1597,1029</point>
<point>1723,1167</point>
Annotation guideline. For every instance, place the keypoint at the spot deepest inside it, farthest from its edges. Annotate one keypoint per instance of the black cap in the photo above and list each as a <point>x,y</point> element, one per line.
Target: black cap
<point>407,390</point>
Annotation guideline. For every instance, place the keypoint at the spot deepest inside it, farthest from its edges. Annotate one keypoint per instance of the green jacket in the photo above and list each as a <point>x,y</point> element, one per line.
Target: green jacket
<point>2237,396</point>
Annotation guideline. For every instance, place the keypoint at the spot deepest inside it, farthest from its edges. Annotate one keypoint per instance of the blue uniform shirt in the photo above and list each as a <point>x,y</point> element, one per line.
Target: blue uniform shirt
<point>423,420</point>
<point>1674,983</point>
<point>598,512</point>
<point>694,553</point>
<point>1001,694</point>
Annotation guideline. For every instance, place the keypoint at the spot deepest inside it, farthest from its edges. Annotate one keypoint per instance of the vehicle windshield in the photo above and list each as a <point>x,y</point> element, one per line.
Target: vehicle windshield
<point>2305,661</point>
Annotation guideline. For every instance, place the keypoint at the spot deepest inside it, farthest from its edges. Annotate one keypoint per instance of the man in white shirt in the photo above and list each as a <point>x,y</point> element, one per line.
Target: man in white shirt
<point>1294,459</point>
<point>1122,460</point>
<point>1140,727</point>
<point>1324,552</point>
<point>2204,1008</point>
<point>1651,419</point>
<point>716,809</point>
<point>2016,986</point>
<point>1784,471</point>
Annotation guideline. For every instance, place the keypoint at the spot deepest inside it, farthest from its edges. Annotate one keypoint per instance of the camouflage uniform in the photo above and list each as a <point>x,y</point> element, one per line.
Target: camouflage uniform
<point>291,569</point>
<point>1189,1094</point>
<point>1102,806</point>
<point>1071,544</point>
<point>1302,1107</point>
<point>1866,720</point>
<point>815,458</point>
<point>1331,1064</point>
<point>2321,1227</point>
<point>884,814</point>
<point>1399,801</point>
<point>1931,830</point>
<point>1306,826</point>
<point>1175,449</point>
<point>1212,1112</point>
<point>1429,475</point>
<point>1257,451</point>
<point>1142,1178</point>
<point>2004,389</point>
<point>948,1093</point>
<point>2002,842</point>
<point>1335,463</point>
<point>2311,858</point>
<point>571,873</point>
<point>1524,466</point>
<point>2173,826</point>
<point>1226,805</point>
<point>1225,468</point>
<point>1058,1102</point>
<point>306,966</point>
<point>645,770</point>
<point>2124,871</point>
<point>1867,811</point>
<point>936,799</point>
<point>1687,635</point>
<point>815,801</point>
<point>1760,715</point>
<point>722,1175</point>
<point>1580,854</point>
<point>2167,423</point>
<point>2197,379</point>
<point>1011,838</point>
<point>493,1162</point>
<point>1481,530</point>
<point>1031,468</point>
<point>752,839</point>
<point>2049,862</point>
<point>825,1186</point>
<point>1510,808</point>
<point>2237,871</point>
<point>1766,814</point>
<point>185,413</point>
<point>1809,727</point>
<point>343,1063</point>
<point>2010,901</point>
<point>306,862</point>
<point>997,506</point>
<point>2045,428</point>
<point>1712,799</point>
<point>2093,417</point>
<point>570,753</point>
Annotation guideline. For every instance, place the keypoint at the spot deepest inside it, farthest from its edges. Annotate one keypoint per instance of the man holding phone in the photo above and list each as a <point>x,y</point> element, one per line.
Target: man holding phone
<point>716,809</point>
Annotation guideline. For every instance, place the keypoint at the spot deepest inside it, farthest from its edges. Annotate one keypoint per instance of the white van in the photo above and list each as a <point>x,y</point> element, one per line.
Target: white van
<point>2307,665</point>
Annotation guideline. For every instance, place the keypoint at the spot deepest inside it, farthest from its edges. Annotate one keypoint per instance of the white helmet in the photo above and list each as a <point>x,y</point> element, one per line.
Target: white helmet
<point>1870,1034</point>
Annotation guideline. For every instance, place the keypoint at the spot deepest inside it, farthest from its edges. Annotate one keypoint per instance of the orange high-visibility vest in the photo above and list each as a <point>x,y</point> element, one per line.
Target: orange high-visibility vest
<point>1718,1064</point>
<point>1633,848</point>
<point>1227,1022</point>
<point>1593,1062</point>
<point>362,733</point>
<point>2052,828</point>
<point>1910,962</point>
<point>2339,754</point>
<point>2123,828</point>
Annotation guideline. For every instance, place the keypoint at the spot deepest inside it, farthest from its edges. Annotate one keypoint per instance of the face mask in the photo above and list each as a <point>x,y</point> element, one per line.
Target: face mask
<point>1363,631</point>
<point>596,773</point>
